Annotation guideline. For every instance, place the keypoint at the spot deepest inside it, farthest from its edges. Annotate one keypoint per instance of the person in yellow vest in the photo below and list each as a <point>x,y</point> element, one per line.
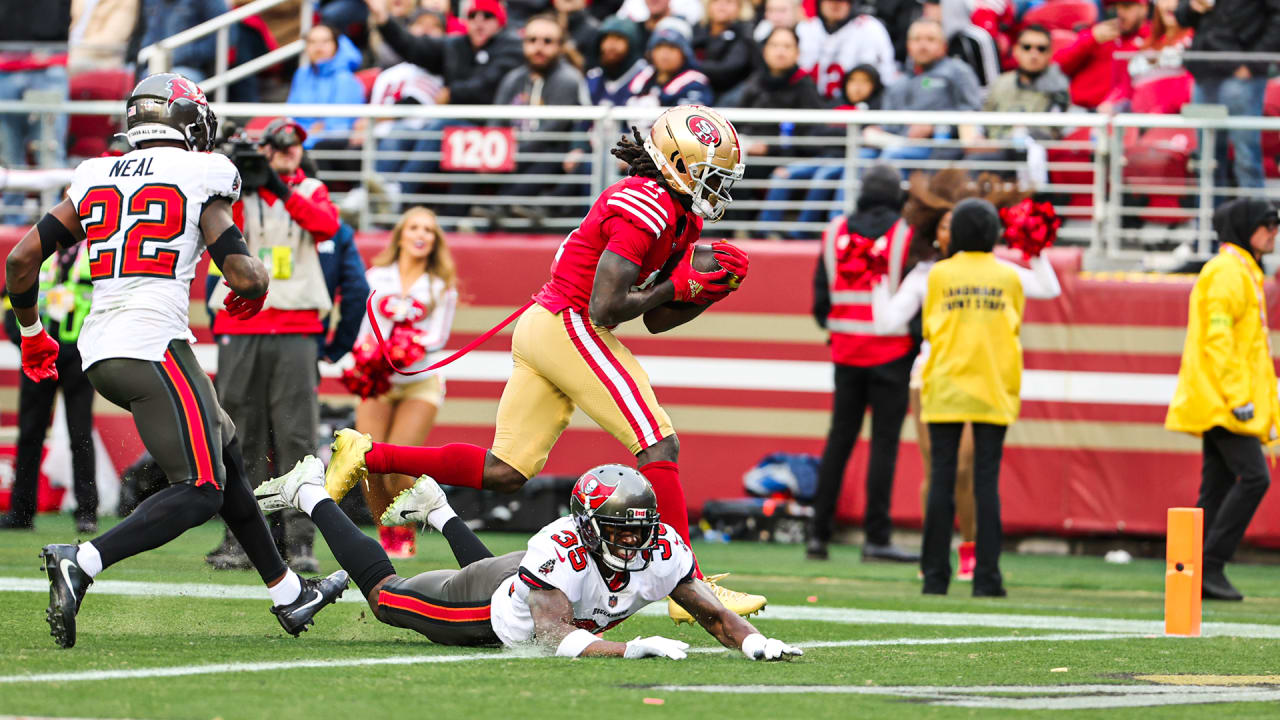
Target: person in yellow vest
<point>1226,390</point>
<point>972,318</point>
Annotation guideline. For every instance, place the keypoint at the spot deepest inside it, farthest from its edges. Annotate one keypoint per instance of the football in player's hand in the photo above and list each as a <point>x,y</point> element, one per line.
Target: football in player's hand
<point>704,259</point>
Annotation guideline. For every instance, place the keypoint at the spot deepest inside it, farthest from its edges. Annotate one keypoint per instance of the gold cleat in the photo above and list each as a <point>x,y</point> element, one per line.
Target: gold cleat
<point>744,604</point>
<point>346,466</point>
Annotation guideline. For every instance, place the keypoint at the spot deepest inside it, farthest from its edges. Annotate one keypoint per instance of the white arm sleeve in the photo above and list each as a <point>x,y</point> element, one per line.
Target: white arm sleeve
<point>1039,281</point>
<point>891,315</point>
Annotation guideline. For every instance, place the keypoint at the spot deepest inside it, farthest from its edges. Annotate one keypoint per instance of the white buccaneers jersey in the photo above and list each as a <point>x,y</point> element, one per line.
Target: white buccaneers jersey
<point>557,559</point>
<point>141,219</point>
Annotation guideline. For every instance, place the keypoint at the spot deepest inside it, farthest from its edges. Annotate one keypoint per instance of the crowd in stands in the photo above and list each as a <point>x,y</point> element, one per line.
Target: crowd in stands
<point>950,55</point>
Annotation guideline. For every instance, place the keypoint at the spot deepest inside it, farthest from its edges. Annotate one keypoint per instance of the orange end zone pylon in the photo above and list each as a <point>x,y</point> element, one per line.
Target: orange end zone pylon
<point>1182,576</point>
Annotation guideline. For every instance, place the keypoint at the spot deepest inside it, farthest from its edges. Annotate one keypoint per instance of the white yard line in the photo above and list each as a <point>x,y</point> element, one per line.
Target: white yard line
<point>1016,697</point>
<point>773,612</point>
<point>225,668</point>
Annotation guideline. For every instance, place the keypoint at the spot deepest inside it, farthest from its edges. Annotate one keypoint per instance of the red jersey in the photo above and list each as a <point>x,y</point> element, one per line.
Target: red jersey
<point>635,218</point>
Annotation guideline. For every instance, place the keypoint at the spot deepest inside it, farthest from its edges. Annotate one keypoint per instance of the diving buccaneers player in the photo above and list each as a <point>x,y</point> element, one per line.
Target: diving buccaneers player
<point>148,216</point>
<point>608,271</point>
<point>579,576</point>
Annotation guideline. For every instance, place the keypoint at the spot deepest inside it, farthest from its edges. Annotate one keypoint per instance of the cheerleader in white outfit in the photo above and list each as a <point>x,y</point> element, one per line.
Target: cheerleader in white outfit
<point>414,283</point>
<point>893,313</point>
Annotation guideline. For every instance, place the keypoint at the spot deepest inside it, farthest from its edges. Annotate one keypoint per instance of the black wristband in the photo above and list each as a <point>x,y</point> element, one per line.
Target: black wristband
<point>25,299</point>
<point>53,235</point>
<point>230,242</point>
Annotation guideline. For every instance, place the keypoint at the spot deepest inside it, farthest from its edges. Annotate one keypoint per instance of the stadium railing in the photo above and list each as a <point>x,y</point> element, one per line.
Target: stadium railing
<point>1130,187</point>
<point>158,57</point>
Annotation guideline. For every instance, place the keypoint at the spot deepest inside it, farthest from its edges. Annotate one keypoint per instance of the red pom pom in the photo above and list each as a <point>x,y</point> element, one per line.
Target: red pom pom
<point>1030,226</point>
<point>370,376</point>
<point>860,258</point>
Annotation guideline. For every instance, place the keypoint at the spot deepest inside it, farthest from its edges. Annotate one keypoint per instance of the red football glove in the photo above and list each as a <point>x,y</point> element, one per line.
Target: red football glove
<point>693,286</point>
<point>243,308</point>
<point>734,259</point>
<point>39,356</point>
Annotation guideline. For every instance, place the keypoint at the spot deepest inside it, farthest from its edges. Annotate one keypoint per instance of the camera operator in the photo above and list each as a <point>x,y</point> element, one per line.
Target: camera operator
<point>267,373</point>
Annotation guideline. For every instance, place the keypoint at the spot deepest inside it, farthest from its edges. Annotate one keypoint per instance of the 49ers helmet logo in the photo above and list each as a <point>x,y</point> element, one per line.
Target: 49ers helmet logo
<point>591,492</point>
<point>704,130</point>
<point>181,88</point>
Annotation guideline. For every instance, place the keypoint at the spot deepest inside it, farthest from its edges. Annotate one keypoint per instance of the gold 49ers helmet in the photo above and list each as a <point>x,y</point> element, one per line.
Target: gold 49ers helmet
<point>698,153</point>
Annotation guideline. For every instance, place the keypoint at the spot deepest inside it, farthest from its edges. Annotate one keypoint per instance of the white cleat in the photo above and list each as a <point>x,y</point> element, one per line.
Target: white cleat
<point>282,493</point>
<point>412,506</point>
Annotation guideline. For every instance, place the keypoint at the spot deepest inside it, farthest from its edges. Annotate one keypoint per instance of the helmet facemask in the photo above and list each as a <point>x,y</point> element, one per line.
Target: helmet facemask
<point>711,188</point>
<point>620,556</point>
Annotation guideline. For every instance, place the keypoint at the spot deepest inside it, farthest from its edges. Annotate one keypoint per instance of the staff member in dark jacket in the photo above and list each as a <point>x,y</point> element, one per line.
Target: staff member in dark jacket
<point>65,292</point>
<point>870,370</point>
<point>1233,26</point>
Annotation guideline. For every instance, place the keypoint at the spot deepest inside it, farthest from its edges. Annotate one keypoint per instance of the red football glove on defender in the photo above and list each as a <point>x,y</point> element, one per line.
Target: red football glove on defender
<point>39,356</point>
<point>694,286</point>
<point>243,308</point>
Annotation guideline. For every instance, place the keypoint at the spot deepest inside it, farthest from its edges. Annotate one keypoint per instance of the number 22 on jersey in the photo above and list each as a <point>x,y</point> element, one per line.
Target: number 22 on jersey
<point>154,215</point>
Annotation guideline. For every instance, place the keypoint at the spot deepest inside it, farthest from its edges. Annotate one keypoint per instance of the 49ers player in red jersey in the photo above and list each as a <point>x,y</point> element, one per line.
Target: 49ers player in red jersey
<point>565,355</point>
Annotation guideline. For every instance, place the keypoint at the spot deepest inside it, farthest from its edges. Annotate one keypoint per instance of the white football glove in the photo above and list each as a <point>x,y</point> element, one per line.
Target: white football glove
<point>758,647</point>
<point>656,646</point>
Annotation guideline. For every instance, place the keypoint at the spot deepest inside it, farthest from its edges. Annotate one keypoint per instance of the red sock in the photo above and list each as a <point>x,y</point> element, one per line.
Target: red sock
<point>665,479</point>
<point>454,464</point>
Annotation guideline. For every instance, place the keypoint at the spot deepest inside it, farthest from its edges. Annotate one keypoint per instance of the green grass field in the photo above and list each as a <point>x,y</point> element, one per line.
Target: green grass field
<point>875,646</point>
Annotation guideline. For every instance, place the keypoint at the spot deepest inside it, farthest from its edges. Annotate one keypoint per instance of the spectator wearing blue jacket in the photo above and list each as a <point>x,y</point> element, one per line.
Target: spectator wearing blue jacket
<point>328,79</point>
<point>163,18</point>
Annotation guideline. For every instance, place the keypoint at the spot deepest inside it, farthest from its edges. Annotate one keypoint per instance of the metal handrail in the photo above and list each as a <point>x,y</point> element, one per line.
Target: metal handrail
<point>1103,223</point>
<point>159,56</point>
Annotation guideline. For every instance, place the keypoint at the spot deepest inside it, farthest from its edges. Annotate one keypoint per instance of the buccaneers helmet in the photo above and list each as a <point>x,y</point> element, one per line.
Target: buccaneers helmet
<point>168,106</point>
<point>698,153</point>
<point>609,500</point>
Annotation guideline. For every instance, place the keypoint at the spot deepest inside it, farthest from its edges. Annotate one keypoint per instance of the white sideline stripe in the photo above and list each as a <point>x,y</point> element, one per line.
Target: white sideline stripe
<point>772,612</point>
<point>225,668</point>
<point>1110,388</point>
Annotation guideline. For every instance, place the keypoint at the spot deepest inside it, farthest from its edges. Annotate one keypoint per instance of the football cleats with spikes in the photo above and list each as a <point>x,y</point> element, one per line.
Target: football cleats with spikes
<point>699,155</point>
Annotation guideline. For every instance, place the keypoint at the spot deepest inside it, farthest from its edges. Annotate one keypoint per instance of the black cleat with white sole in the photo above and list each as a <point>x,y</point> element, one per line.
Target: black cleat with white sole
<point>67,585</point>
<point>316,593</point>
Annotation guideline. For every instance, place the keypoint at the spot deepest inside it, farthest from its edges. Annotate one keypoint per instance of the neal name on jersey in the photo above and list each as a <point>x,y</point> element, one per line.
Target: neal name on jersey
<point>556,558</point>
<point>141,218</point>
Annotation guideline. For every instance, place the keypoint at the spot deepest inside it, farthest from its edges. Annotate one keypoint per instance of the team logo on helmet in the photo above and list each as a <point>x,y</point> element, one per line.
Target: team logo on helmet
<point>591,492</point>
<point>704,130</point>
<point>181,88</point>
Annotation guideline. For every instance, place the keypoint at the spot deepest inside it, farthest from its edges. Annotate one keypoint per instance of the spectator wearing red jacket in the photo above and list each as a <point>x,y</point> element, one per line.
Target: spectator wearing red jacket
<point>1090,61</point>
